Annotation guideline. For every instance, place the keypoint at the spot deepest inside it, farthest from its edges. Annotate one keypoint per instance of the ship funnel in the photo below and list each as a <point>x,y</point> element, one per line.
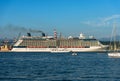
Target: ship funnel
<point>28,34</point>
<point>43,34</point>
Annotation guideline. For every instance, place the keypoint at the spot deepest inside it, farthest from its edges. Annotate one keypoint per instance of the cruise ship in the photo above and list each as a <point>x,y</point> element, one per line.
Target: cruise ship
<point>56,44</point>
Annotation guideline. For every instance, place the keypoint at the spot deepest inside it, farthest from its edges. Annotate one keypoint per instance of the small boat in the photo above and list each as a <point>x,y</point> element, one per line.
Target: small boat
<point>74,53</point>
<point>115,52</point>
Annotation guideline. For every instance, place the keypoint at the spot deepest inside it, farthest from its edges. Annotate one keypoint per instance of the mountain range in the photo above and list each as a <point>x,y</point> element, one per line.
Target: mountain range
<point>117,38</point>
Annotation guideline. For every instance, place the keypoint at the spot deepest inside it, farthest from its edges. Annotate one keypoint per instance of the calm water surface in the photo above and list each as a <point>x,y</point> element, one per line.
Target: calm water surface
<point>58,67</point>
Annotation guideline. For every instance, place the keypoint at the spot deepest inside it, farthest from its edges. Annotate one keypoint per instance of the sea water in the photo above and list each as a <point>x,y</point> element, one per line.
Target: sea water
<point>58,67</point>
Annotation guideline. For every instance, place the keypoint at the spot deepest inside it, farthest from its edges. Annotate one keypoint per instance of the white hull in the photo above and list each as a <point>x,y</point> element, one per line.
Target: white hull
<point>114,54</point>
<point>58,50</point>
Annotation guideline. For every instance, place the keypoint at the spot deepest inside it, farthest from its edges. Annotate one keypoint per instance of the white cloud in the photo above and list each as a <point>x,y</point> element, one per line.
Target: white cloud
<point>111,17</point>
<point>93,23</point>
<point>107,21</point>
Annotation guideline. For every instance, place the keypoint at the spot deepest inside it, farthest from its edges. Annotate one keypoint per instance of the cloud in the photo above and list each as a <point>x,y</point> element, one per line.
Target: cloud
<point>106,21</point>
<point>94,23</point>
<point>111,17</point>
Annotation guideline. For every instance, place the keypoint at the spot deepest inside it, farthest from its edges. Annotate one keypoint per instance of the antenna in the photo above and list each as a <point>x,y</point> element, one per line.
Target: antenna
<point>55,34</point>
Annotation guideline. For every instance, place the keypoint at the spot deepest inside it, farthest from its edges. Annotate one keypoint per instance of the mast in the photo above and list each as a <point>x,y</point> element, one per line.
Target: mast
<point>114,32</point>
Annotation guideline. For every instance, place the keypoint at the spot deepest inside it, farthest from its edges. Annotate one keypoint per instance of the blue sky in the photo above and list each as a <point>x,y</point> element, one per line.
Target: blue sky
<point>70,17</point>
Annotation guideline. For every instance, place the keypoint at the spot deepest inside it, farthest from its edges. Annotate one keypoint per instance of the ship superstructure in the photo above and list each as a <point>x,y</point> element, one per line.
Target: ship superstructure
<point>53,44</point>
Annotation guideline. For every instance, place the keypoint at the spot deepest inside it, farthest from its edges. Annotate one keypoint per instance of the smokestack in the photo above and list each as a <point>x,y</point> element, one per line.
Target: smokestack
<point>43,34</point>
<point>28,34</point>
<point>37,31</point>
